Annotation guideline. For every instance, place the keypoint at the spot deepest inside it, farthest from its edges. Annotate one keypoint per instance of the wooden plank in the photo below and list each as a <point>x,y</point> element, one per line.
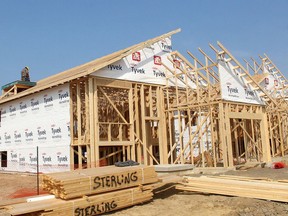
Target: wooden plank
<point>113,83</point>
<point>137,123</point>
<point>71,127</point>
<point>86,113</point>
<point>245,187</point>
<point>162,133</point>
<point>132,154</point>
<point>244,115</point>
<point>96,123</point>
<point>222,136</point>
<point>143,124</point>
<point>265,139</point>
<point>91,122</point>
<point>115,143</point>
<point>228,136</point>
<point>79,108</point>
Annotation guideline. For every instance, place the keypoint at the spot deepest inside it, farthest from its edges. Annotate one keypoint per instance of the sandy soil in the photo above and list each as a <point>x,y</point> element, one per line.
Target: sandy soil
<point>11,184</point>
<point>170,202</point>
<point>187,203</point>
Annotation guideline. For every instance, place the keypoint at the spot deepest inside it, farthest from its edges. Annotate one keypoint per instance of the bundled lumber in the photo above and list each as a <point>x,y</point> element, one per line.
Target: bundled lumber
<point>101,190</point>
<point>242,187</point>
<point>67,185</point>
<point>92,205</point>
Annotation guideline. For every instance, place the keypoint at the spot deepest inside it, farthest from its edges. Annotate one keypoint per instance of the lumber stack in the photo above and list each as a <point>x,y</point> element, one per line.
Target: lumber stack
<point>92,205</point>
<point>93,191</point>
<point>74,184</point>
<point>260,188</point>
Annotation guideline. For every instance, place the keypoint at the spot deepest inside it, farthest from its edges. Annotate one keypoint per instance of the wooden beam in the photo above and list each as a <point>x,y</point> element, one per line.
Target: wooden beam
<point>244,115</point>
<point>96,123</point>
<point>91,121</point>
<point>143,124</point>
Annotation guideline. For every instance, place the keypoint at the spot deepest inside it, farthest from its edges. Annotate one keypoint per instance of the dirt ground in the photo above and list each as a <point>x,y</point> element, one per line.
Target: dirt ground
<point>170,201</point>
<point>13,183</point>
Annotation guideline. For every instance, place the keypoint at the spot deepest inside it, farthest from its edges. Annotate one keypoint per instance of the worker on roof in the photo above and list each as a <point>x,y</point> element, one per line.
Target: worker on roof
<point>25,74</point>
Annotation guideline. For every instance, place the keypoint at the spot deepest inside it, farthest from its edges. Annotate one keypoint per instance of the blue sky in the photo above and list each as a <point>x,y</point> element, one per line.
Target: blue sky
<point>55,35</point>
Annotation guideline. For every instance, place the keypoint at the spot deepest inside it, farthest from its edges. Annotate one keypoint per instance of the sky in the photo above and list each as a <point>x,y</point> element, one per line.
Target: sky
<point>50,36</point>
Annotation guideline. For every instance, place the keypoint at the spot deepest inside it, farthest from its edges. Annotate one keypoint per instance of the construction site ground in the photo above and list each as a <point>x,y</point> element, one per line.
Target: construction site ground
<point>169,201</point>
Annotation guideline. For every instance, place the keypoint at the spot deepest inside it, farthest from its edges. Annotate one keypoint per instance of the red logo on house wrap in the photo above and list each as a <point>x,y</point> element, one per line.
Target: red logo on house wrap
<point>136,56</point>
<point>276,82</point>
<point>157,60</point>
<point>176,63</point>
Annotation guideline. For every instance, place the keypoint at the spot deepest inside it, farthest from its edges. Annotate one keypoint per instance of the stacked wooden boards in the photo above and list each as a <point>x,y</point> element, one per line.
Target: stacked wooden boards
<point>74,184</point>
<point>92,205</point>
<point>260,188</point>
<point>91,192</point>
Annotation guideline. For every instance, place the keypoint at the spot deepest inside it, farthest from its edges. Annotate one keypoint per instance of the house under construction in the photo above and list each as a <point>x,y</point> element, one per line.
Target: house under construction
<point>146,103</point>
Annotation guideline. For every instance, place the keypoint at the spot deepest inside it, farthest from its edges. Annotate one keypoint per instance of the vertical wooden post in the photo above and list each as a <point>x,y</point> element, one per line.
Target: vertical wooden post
<point>80,153</point>
<point>71,128</point>
<point>212,135</point>
<point>96,123</point>
<point>162,131</point>
<point>79,124</point>
<point>137,122</point>
<point>228,136</point>
<point>79,120</point>
<point>281,134</point>
<point>246,139</point>
<point>143,121</point>
<point>180,138</point>
<point>150,124</point>
<point>91,122</point>
<point>87,125</point>
<point>131,150</point>
<point>270,125</point>
<point>222,134</point>
<point>265,138</point>
<point>236,138</point>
